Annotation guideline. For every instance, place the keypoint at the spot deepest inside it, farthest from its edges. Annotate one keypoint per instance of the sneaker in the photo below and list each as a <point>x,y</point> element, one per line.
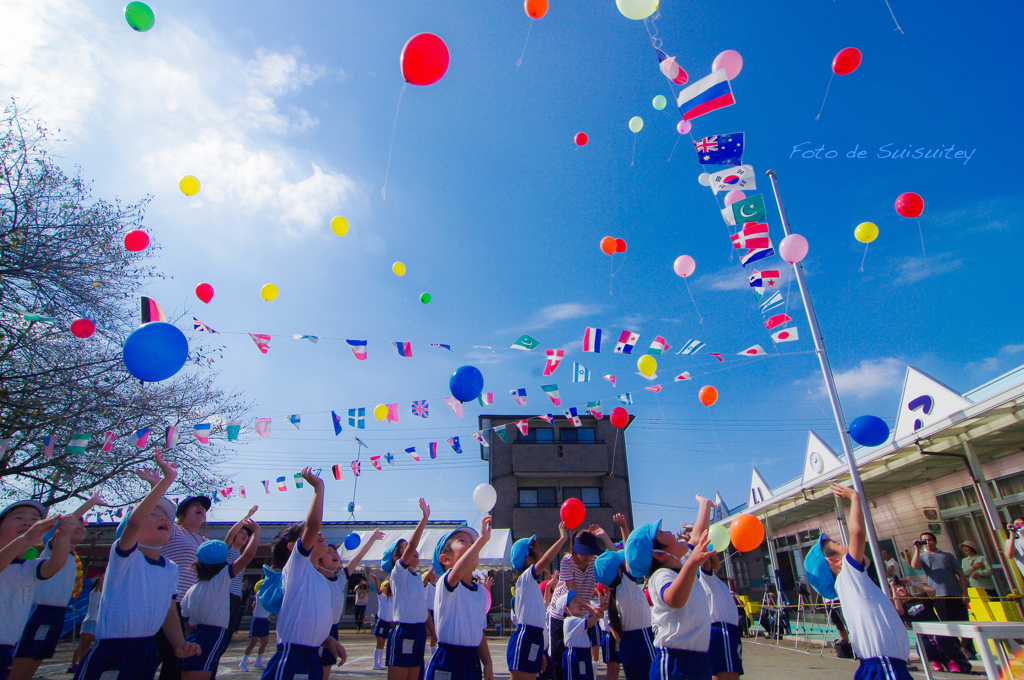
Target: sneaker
<point>259,665</point>
<point>244,667</point>
<point>936,666</point>
<point>959,667</point>
<point>378,667</point>
<point>844,650</point>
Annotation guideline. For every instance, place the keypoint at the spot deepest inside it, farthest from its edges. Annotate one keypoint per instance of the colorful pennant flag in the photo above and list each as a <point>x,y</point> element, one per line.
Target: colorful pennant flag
<point>486,398</point>
<point>311,338</point>
<point>455,405</point>
<point>655,388</point>
<point>524,426</point>
<point>627,340</point>
<point>151,311</point>
<point>737,177</point>
<point>356,467</point>
<point>266,485</point>
<point>574,416</point>
<point>454,443</point>
<point>432,450</point>
<point>80,442</point>
<point>336,469</point>
<point>786,335</point>
<point>226,493</point>
<point>241,491</point>
<point>202,432</point>
<point>140,437</point>
<point>720,149</point>
<point>685,375</point>
<point>298,480</point>
<point>375,462</point>
<point>412,453</point>
<point>753,235</point>
<point>336,420</point>
<point>108,442</point>
<point>525,342</point>
<point>37,317</point>
<point>691,347</point>
<point>479,437</point>
<point>357,418</point>
<point>392,413</point>
<point>581,374</point>
<point>770,278</point>
<point>421,408</point>
<point>750,209</point>
<point>358,348</point>
<point>552,392</point>
<point>708,94</point>
<point>771,302</point>
<point>437,344</point>
<point>263,427</point>
<point>659,345</point>
<point>592,340</point>
<point>611,379</point>
<point>716,355</point>
<point>755,351</point>
<point>520,396</point>
<point>262,341</point>
<point>548,418</point>
<point>777,320</point>
<point>555,357</point>
<point>295,419</point>
<point>282,485</point>
<point>233,428</point>
<point>594,409</point>
<point>172,437</point>
<point>404,349</point>
<point>755,254</point>
<point>500,431</point>
<point>389,458</point>
<point>626,399</point>
<point>198,325</point>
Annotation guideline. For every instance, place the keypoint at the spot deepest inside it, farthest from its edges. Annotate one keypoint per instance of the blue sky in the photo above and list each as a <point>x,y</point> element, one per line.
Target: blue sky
<point>285,114</point>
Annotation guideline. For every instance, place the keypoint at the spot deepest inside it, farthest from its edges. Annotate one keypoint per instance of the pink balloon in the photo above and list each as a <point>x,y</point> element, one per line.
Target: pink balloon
<point>734,196</point>
<point>684,266</point>
<point>793,248</point>
<point>731,61</point>
<point>683,127</point>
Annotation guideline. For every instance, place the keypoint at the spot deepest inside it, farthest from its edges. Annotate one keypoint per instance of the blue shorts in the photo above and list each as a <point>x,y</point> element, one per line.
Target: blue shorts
<point>726,649</point>
<point>577,664</point>
<point>406,645</point>
<point>259,628</point>
<point>213,640</point>
<point>327,658</point>
<point>291,660</point>
<point>680,664</point>
<point>131,658</point>
<point>594,635</point>
<point>6,657</point>
<point>382,628</point>
<point>451,662</point>
<point>526,649</point>
<point>609,650</point>
<point>882,668</point>
<point>39,639</point>
<point>636,653</point>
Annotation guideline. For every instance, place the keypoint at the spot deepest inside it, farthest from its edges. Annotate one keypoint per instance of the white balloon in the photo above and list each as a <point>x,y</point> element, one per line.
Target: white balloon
<point>637,9</point>
<point>484,497</point>
<point>704,179</point>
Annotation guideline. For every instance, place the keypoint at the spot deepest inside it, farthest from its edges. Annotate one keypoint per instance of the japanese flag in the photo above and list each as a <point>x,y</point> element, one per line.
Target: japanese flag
<point>755,351</point>
<point>786,335</point>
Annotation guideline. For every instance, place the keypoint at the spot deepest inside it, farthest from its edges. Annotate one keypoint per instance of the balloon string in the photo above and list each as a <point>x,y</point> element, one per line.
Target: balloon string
<point>864,258</point>
<point>391,148</point>
<point>657,399</point>
<point>633,158</point>
<point>714,430</point>
<point>921,232</point>
<point>693,301</point>
<point>611,264</point>
<point>674,148</point>
<point>893,17</point>
<point>615,448</point>
<point>826,96</point>
<point>520,62</point>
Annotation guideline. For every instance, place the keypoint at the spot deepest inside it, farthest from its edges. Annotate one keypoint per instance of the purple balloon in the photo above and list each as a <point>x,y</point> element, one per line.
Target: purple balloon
<point>683,127</point>
<point>734,196</point>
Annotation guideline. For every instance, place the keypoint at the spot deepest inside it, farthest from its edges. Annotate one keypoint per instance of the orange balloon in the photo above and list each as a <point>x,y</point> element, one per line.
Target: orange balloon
<point>608,245</point>
<point>746,533</point>
<point>708,395</point>
<point>535,9</point>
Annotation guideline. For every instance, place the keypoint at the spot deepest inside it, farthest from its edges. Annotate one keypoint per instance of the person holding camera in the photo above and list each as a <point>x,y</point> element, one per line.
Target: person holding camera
<point>1014,549</point>
<point>944,575</point>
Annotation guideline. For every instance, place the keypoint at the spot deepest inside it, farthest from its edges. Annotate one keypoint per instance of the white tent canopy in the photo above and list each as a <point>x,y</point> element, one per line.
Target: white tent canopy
<point>497,554</point>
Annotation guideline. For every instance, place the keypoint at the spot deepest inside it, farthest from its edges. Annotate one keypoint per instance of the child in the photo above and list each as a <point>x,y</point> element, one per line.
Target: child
<point>46,623</point>
<point>943,651</point>
<point>526,658</point>
<point>259,631</point>
<point>876,632</point>
<point>629,643</point>
<point>579,617</point>
<point>382,628</point>
<point>408,636</point>
<point>725,651</point>
<point>362,593</point>
<point>21,527</point>
<point>236,539</point>
<point>207,604</point>
<point>460,608</point>
<point>138,588</point>
<point>304,622</point>
<point>87,633</point>
<point>337,579</point>
<point>430,585</point>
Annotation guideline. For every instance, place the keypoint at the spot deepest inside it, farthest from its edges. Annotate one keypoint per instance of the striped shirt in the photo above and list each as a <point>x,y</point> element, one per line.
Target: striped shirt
<point>181,550</point>
<point>236,583</point>
<point>584,584</point>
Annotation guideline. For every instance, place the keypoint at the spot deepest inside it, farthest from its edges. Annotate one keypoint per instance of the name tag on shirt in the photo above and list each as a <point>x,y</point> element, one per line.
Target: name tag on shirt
<point>110,675</point>
<point>442,675</point>
<point>533,652</point>
<point>583,668</point>
<point>26,594</point>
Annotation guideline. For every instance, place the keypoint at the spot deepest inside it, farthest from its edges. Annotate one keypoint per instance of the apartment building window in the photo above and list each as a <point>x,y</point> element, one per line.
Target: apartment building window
<point>540,497</point>
<point>590,495</point>
<point>538,435</point>
<point>573,435</point>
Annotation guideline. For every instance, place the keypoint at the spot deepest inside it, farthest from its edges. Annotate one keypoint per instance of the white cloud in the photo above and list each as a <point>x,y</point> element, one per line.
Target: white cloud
<point>566,311</point>
<point>734,278</point>
<point>870,378</point>
<point>1008,357</point>
<point>914,269</point>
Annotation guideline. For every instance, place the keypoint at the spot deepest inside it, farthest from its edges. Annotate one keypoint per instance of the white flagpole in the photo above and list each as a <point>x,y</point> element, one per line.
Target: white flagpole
<point>833,394</point>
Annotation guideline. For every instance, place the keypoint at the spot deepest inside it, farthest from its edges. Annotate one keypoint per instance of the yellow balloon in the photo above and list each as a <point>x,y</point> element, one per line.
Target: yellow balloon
<point>866,232</point>
<point>189,185</point>
<point>268,292</point>
<point>647,364</point>
<point>398,268</point>
<point>380,412</point>
<point>339,225</point>
<point>636,124</point>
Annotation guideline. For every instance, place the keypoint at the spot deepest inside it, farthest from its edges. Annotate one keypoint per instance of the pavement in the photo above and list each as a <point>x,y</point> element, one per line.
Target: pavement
<point>761,661</point>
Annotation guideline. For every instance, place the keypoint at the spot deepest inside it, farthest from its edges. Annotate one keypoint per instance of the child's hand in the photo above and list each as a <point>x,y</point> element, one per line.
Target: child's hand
<point>97,498</point>
<point>619,520</point>
<point>252,511</point>
<point>314,481</point>
<point>377,535</point>
<point>704,501</point>
<point>66,525</point>
<point>252,526</point>
<point>36,531</point>
<point>841,491</point>
<point>596,530</point>
<point>148,475</point>
<point>489,671</point>
<point>563,532</point>
<point>485,529</point>
<point>338,650</point>
<point>188,649</point>
<point>489,582</point>
<point>700,551</point>
<point>167,469</point>
<point>425,509</point>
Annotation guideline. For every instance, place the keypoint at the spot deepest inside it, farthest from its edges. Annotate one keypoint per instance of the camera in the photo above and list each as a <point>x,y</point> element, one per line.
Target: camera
<point>920,544</point>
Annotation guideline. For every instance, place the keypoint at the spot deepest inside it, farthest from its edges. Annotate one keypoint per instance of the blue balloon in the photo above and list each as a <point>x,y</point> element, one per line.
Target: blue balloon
<point>351,506</point>
<point>869,431</point>
<point>352,541</point>
<point>466,383</point>
<point>155,351</point>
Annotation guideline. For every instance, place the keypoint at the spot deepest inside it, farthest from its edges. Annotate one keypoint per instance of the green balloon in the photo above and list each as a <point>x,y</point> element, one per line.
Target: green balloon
<point>719,537</point>
<point>660,102</point>
<point>139,16</point>
<point>636,123</point>
<point>425,298</point>
<point>30,554</point>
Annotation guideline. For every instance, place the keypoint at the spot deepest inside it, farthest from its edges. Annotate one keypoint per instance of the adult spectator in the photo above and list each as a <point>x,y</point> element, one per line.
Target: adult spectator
<point>942,651</point>
<point>1014,549</point>
<point>977,568</point>
<point>945,576</point>
<point>892,567</point>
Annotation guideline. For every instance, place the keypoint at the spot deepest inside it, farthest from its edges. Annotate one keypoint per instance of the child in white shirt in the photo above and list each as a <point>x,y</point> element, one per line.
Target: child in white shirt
<point>408,636</point>
<point>580,617</point>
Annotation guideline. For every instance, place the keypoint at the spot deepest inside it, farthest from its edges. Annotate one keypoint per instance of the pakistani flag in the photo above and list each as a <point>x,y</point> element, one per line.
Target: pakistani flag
<point>78,443</point>
<point>751,209</point>
<point>525,342</point>
<point>500,431</point>
<point>234,427</point>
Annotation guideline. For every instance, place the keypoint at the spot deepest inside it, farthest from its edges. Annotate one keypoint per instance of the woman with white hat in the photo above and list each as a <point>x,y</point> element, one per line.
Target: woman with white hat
<point>977,569</point>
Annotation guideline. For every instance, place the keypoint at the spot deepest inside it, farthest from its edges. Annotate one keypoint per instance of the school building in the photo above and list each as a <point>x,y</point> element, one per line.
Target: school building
<point>953,465</point>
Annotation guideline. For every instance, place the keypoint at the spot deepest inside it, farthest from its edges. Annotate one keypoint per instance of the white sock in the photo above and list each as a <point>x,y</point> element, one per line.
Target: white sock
<point>378,657</point>
<point>259,658</point>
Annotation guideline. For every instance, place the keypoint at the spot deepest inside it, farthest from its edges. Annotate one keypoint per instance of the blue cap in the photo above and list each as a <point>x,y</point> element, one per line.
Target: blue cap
<point>28,502</point>
<point>562,602</point>
<point>819,572</point>
<point>387,562</point>
<point>521,550</point>
<point>439,548</point>
<point>640,549</point>
<point>162,503</point>
<point>212,552</point>
<point>606,566</point>
<point>586,544</point>
<point>183,506</point>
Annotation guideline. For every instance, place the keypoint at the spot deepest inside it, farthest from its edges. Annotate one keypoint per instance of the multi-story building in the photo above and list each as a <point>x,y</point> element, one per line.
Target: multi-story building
<point>536,472</point>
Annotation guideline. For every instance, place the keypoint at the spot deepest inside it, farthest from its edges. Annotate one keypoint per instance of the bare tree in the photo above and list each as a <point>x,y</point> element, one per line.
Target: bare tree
<point>62,257</point>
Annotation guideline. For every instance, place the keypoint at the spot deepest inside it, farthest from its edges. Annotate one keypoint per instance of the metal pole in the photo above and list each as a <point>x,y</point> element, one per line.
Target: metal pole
<point>833,394</point>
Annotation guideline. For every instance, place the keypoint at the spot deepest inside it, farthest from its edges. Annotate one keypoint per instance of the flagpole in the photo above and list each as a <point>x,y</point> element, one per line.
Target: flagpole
<point>833,394</point>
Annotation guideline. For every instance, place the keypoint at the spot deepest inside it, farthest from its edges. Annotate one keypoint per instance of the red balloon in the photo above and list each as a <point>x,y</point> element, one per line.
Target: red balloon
<point>608,245</point>
<point>204,292</point>
<point>136,240</point>
<point>619,417</point>
<point>573,513</point>
<point>620,245</point>
<point>83,328</point>
<point>535,9</point>
<point>708,395</point>
<point>581,139</point>
<point>910,204</point>
<point>424,59</point>
<point>846,62</point>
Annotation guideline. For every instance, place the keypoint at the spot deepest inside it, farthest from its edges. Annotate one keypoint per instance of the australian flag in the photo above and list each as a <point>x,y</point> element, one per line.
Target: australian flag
<point>720,149</point>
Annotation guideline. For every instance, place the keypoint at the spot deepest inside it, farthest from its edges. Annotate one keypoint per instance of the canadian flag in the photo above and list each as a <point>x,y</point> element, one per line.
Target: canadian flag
<point>755,351</point>
<point>786,335</point>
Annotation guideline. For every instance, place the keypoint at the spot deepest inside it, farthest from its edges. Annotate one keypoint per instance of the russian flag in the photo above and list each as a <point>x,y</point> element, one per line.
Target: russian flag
<point>358,348</point>
<point>592,340</point>
<point>404,349</point>
<point>708,94</point>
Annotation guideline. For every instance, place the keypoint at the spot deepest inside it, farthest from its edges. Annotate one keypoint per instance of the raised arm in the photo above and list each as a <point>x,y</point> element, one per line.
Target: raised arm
<point>15,548</point>
<point>130,536</point>
<point>95,499</point>
<point>678,592</point>
<point>60,546</point>
<point>855,523</point>
<point>354,562</point>
<point>602,534</point>
<point>620,521</point>
<point>703,521</point>
<point>237,526</point>
<point>315,516</point>
<point>376,583</point>
<point>414,540</point>
<point>250,548</point>
<point>545,560</point>
<point>915,559</point>
<point>464,567</point>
